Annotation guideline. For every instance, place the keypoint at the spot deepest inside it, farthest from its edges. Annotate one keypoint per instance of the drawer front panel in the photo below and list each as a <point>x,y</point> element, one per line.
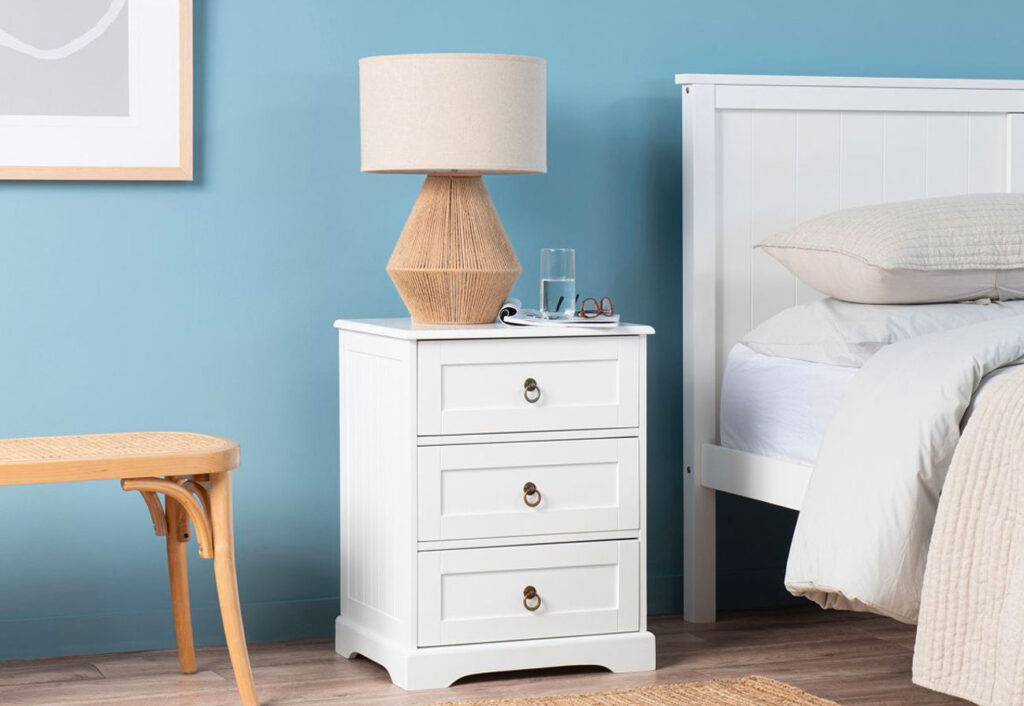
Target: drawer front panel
<point>477,595</point>
<point>477,386</point>
<point>477,490</point>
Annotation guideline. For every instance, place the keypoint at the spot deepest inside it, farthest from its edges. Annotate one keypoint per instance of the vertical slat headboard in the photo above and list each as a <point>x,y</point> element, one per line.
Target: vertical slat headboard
<point>762,153</point>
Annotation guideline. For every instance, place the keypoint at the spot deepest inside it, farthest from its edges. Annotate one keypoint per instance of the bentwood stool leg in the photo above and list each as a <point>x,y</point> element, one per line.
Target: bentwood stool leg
<point>211,516</point>
<point>227,584</point>
<point>177,569</point>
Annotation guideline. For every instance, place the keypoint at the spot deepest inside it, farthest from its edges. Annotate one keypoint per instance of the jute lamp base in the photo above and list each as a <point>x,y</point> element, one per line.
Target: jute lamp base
<point>453,263</point>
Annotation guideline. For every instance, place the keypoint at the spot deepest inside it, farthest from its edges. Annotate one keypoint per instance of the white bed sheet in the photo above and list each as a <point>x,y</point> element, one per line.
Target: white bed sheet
<point>780,407</point>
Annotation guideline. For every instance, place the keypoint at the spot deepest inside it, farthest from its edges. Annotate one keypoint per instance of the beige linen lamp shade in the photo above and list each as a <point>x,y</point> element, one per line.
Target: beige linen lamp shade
<point>443,113</point>
<point>453,117</point>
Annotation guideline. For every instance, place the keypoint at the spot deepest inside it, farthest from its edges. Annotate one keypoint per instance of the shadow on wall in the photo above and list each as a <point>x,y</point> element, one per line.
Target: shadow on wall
<point>751,565</point>
<point>645,263</point>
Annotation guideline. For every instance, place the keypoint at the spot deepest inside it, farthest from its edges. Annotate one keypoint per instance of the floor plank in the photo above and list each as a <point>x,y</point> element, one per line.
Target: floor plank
<point>90,691</point>
<point>848,657</point>
<point>44,673</point>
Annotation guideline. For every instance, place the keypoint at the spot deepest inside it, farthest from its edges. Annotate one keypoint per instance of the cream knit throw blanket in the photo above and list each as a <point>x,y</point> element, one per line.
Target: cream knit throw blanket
<point>970,636</point>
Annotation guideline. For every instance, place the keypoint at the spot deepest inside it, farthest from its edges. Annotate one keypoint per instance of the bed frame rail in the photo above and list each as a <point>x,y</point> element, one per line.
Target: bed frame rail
<point>759,477</point>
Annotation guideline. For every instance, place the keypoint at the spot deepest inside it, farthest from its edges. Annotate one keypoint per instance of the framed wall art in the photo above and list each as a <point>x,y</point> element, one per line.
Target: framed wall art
<point>96,89</point>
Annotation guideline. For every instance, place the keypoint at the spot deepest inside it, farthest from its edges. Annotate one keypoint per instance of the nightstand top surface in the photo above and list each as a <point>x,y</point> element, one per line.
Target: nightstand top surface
<point>406,329</point>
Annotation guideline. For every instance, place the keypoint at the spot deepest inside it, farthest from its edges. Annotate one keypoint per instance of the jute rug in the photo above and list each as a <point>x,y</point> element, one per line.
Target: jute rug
<point>748,691</point>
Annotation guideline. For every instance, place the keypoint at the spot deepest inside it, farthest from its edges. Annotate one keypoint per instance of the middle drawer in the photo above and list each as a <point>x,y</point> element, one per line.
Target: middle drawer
<point>528,488</point>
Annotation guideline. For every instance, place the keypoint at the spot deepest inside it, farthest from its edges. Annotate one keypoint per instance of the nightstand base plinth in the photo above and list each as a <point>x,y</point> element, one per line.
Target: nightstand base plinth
<point>415,669</point>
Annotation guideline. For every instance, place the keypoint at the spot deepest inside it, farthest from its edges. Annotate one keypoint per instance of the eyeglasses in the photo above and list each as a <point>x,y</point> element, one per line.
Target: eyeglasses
<point>591,308</point>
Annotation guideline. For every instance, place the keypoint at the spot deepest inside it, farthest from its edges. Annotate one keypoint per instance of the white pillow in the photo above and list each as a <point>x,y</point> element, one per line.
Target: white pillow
<point>840,333</point>
<point>953,248</point>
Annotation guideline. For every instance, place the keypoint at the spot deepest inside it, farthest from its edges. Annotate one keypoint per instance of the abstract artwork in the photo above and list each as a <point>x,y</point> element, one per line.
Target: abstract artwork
<point>96,89</point>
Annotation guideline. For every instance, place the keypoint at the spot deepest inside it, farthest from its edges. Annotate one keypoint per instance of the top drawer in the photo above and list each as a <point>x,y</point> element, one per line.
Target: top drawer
<point>480,386</point>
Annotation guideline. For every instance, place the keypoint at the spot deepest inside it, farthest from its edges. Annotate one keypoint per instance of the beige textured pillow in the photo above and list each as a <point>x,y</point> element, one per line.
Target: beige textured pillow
<point>953,248</point>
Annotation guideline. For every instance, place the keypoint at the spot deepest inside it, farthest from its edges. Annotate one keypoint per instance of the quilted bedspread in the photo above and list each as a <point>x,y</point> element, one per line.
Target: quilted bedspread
<point>970,636</point>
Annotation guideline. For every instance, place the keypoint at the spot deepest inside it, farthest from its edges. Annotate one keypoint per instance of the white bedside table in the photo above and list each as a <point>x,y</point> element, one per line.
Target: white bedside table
<point>493,498</point>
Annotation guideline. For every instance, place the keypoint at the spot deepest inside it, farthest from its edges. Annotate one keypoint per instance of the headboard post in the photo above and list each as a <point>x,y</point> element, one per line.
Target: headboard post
<point>700,243</point>
<point>1015,152</point>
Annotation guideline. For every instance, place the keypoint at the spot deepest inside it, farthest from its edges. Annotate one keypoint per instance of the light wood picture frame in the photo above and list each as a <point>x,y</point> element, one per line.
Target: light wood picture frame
<point>96,90</point>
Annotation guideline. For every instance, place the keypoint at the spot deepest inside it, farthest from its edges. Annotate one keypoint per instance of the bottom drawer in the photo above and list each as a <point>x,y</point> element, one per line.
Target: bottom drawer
<point>481,595</point>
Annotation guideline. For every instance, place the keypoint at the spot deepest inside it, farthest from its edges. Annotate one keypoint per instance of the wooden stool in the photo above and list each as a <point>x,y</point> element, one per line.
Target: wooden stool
<point>196,485</point>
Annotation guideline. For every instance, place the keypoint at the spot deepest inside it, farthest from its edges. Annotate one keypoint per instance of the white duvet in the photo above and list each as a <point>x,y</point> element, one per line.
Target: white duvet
<point>862,536</point>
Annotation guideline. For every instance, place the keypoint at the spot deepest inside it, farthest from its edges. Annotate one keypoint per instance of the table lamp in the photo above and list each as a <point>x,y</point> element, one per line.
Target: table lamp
<point>453,117</point>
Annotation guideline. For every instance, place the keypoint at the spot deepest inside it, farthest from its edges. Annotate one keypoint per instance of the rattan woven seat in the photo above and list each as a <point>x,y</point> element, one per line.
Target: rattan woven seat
<point>51,459</point>
<point>192,472</point>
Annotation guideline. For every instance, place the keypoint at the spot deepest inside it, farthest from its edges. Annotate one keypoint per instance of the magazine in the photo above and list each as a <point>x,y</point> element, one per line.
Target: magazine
<point>513,314</point>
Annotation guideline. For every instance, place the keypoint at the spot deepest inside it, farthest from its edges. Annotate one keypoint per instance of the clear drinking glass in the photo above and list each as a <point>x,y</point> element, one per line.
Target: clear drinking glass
<point>557,282</point>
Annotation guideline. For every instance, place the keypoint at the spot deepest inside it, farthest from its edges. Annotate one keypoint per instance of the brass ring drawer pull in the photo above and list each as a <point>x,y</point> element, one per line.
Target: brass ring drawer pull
<point>531,392</point>
<point>531,599</point>
<point>530,490</point>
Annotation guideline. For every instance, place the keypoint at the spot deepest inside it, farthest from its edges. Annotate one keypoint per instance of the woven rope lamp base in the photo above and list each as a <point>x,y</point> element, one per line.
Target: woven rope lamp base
<point>453,263</point>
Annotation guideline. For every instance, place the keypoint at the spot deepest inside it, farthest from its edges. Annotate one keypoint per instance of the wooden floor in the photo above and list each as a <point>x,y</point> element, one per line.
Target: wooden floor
<point>847,657</point>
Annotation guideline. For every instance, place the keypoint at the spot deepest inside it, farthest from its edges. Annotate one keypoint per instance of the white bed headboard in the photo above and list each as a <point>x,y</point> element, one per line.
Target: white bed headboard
<point>762,153</point>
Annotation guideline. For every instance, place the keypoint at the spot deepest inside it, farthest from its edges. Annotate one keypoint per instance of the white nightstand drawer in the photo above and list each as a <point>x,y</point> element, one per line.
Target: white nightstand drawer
<point>480,386</point>
<point>477,595</point>
<point>478,490</point>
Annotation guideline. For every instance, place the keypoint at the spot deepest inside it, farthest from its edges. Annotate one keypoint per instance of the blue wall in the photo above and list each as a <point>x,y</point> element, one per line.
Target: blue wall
<point>208,306</point>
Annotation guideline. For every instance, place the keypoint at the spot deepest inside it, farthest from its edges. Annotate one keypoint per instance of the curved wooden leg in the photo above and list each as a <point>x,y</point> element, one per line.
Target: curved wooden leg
<point>177,569</point>
<point>227,584</point>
